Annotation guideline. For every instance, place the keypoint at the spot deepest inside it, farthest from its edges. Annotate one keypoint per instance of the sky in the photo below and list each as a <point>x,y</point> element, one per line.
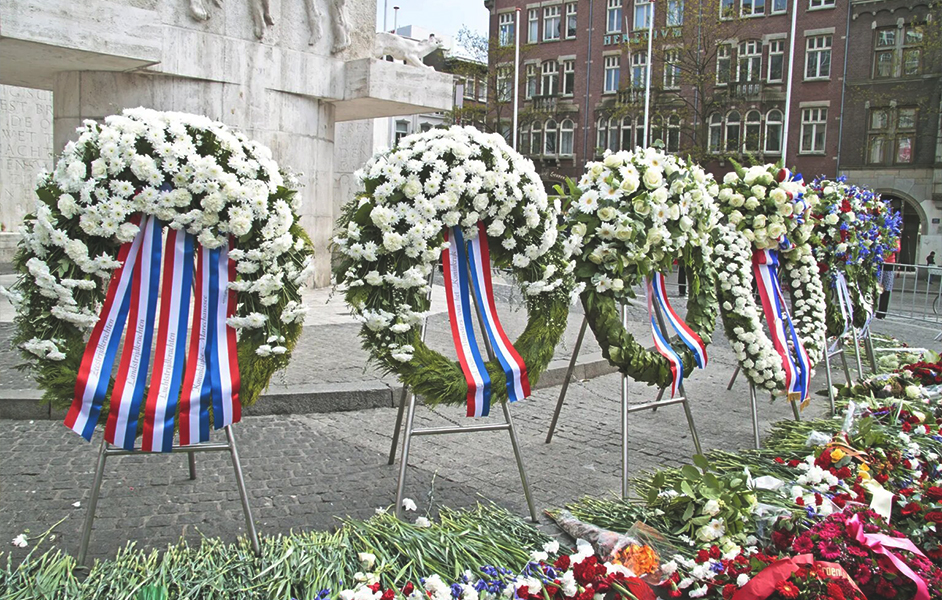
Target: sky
<point>443,16</point>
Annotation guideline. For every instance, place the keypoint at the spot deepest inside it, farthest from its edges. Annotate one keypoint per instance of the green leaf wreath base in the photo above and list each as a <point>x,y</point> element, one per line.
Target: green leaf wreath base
<point>626,354</point>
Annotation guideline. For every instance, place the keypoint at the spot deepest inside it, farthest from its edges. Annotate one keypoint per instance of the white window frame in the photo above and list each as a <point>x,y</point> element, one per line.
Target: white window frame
<point>783,7</point>
<point>776,48</point>
<point>816,120</point>
<point>675,13</point>
<point>601,134</point>
<point>769,122</point>
<point>674,123</point>
<point>727,9</point>
<point>672,69</point>
<point>506,25</point>
<point>757,126</point>
<point>549,78</point>
<point>533,25</point>
<point>532,81</point>
<point>724,52</point>
<point>715,133</point>
<point>726,126</point>
<point>750,54</point>
<point>821,4</point>
<point>571,17</point>
<point>567,132</point>
<point>642,7</point>
<point>612,70</point>
<point>552,15</point>
<point>815,48</point>
<point>504,85</point>
<point>569,67</point>
<point>613,16</point>
<point>639,69</point>
<point>547,130</point>
<point>756,8</point>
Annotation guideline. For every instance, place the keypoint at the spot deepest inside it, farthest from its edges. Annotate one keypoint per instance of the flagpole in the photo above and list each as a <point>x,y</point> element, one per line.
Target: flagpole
<point>516,76</point>
<point>647,78</point>
<point>788,86</point>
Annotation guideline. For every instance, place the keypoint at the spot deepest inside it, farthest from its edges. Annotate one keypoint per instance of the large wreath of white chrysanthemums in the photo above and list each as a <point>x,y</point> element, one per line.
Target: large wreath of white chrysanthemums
<point>390,238</point>
<point>193,174</point>
<point>762,212</point>
<point>633,215</point>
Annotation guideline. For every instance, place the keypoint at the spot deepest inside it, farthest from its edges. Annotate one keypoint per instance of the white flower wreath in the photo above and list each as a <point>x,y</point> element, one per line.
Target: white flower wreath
<point>192,174</point>
<point>767,209</point>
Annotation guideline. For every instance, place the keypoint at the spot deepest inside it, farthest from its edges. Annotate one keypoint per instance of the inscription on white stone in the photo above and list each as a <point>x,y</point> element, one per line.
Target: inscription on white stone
<point>25,149</point>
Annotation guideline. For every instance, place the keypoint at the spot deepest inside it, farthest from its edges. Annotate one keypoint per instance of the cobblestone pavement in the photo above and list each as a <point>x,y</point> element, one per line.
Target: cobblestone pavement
<point>306,471</point>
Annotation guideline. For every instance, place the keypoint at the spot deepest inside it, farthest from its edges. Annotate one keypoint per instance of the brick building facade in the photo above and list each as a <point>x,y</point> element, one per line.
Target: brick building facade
<point>720,87</point>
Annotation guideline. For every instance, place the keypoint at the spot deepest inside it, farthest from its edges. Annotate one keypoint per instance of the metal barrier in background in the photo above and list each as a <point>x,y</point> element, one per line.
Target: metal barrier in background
<point>915,293</point>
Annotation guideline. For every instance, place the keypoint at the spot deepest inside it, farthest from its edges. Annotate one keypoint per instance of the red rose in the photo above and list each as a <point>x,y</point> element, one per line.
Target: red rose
<point>374,586</point>
<point>388,595</point>
<point>728,590</point>
<point>934,516</point>
<point>934,493</point>
<point>407,589</point>
<point>843,473</point>
<point>795,462</point>
<point>780,460</point>
<point>703,556</point>
<point>882,478</point>
<point>715,551</point>
<point>782,539</point>
<point>562,563</point>
<point>911,508</point>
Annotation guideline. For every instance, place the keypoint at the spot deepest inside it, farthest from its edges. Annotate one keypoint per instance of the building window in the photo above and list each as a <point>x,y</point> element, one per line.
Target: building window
<point>524,142</point>
<point>898,52</point>
<point>425,127</point>
<point>569,77</point>
<point>750,62</point>
<point>779,6</point>
<point>626,128</point>
<point>891,136</point>
<point>716,132</point>
<point>602,135</point>
<point>402,130</point>
<point>773,132</point>
<point>613,135</point>
<point>566,138</point>
<point>642,14</point>
<point>482,90</point>
<point>550,83</point>
<point>675,13</point>
<point>733,129</point>
<point>639,69</point>
<point>752,8</point>
<point>507,27</point>
<point>813,130</point>
<point>503,84</point>
<point>753,131</point>
<point>821,4</point>
<point>533,25</point>
<point>613,17</point>
<point>673,134</point>
<point>536,139</point>
<point>658,131</point>
<point>531,81</point>
<point>727,9</point>
<point>551,23</point>
<point>776,61</point>
<point>571,21</point>
<point>551,137</point>
<point>722,64</point>
<point>672,69</point>
<point>612,73</point>
<point>818,57</point>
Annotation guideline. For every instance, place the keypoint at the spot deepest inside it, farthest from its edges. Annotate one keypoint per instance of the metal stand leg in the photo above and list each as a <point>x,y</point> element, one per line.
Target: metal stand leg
<point>689,415</point>
<point>753,402</point>
<point>523,472</point>
<point>795,410</point>
<point>406,394</point>
<point>827,376</point>
<point>191,463</point>
<point>860,372</point>
<point>92,504</point>
<point>871,354</point>
<point>406,443</point>
<point>567,379</point>
<point>850,380</point>
<point>243,493</point>
<point>732,379</point>
<point>624,417</point>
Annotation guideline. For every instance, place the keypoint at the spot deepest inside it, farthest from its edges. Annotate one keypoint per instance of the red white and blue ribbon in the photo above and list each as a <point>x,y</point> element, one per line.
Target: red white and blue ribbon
<point>121,428</point>
<point>161,406</point>
<point>197,396</point>
<point>845,304</point>
<point>515,370</point>
<point>94,374</point>
<point>795,360</point>
<point>460,314</point>
<point>687,335</point>
<point>661,343</point>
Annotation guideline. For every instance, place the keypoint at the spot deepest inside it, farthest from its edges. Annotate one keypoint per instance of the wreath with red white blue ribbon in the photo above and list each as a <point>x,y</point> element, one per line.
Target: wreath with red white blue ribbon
<point>147,210</point>
<point>467,199</point>
<point>764,240</point>
<point>631,217</point>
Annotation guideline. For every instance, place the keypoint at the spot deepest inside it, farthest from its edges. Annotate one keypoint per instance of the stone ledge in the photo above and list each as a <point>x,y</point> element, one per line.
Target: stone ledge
<point>378,88</point>
<point>309,398</point>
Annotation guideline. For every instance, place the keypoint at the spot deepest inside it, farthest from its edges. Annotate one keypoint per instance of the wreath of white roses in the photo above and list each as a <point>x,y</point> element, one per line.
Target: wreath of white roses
<point>190,172</point>
<point>632,215</point>
<point>766,208</point>
<point>391,237</point>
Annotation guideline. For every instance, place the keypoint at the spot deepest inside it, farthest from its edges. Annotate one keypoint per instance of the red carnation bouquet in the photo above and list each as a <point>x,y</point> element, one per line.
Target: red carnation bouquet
<point>882,561</point>
<point>928,373</point>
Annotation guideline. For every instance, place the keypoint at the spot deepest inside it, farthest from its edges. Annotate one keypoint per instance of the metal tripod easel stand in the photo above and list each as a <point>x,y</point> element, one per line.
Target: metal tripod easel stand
<point>408,400</point>
<point>754,406</point>
<point>626,409</point>
<point>107,450</point>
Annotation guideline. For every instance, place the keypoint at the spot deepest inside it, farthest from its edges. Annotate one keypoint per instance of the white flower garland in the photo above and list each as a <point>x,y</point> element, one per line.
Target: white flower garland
<point>763,212</point>
<point>193,174</point>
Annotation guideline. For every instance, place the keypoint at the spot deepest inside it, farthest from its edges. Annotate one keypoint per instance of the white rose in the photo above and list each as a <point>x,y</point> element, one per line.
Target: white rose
<point>652,178</point>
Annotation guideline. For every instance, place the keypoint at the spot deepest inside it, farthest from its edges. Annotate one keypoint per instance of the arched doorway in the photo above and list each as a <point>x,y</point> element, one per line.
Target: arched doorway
<point>913,226</point>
